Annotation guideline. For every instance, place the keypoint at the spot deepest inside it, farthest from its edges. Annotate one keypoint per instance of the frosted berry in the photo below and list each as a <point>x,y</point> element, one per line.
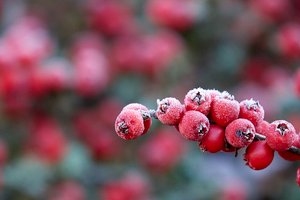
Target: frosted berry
<point>129,124</point>
<point>194,125</point>
<point>240,133</point>
<point>281,135</point>
<point>224,109</point>
<point>144,112</point>
<point>169,111</point>
<point>252,110</point>
<point>214,140</point>
<point>259,155</point>
<point>213,93</point>
<point>198,99</point>
<point>262,127</point>
<point>298,176</point>
<point>287,155</point>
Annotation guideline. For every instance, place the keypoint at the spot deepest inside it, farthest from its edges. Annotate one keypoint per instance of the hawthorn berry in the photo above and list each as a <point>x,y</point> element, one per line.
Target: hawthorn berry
<point>240,133</point>
<point>287,155</point>
<point>144,112</point>
<point>129,124</point>
<point>281,135</point>
<point>198,99</point>
<point>169,111</point>
<point>262,127</point>
<point>258,155</point>
<point>213,93</point>
<point>194,125</point>
<point>224,109</point>
<point>251,110</point>
<point>214,140</point>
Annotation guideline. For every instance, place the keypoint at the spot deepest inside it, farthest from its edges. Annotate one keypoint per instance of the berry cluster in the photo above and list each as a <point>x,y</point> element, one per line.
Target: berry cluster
<point>217,122</point>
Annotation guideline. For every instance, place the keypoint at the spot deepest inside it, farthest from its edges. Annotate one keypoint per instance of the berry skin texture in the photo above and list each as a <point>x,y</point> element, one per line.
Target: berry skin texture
<point>129,124</point>
<point>194,125</point>
<point>198,99</point>
<point>259,155</point>
<point>224,109</point>
<point>262,127</point>
<point>214,140</point>
<point>144,112</point>
<point>281,135</point>
<point>289,156</point>
<point>169,111</point>
<point>298,177</point>
<point>251,110</point>
<point>240,133</point>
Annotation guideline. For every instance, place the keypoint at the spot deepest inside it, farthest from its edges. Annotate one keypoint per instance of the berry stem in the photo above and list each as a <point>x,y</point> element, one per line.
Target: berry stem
<point>152,113</point>
<point>259,136</point>
<point>294,150</point>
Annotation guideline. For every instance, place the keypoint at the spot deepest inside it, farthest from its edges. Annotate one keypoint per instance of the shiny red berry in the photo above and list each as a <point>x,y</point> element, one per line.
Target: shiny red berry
<point>224,109</point>
<point>169,111</point>
<point>259,155</point>
<point>251,110</point>
<point>198,99</point>
<point>144,112</point>
<point>129,124</point>
<point>194,125</point>
<point>240,133</point>
<point>214,140</point>
<point>281,135</point>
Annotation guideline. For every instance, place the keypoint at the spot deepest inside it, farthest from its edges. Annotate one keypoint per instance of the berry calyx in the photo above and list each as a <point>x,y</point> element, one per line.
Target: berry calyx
<point>198,99</point>
<point>169,111</point>
<point>129,124</point>
<point>258,155</point>
<point>240,133</point>
<point>281,135</point>
<point>194,125</point>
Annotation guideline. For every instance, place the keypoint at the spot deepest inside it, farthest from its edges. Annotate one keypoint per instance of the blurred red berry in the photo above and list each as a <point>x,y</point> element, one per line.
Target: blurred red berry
<point>68,190</point>
<point>288,40</point>
<point>162,151</point>
<point>298,177</point>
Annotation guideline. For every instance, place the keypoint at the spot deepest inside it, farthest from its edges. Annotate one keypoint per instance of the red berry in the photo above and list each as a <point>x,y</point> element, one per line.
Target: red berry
<point>287,155</point>
<point>214,140</point>
<point>281,135</point>
<point>3,153</point>
<point>288,40</point>
<point>169,111</point>
<point>259,155</point>
<point>194,125</point>
<point>213,93</point>
<point>198,99</point>
<point>224,109</point>
<point>161,152</point>
<point>240,133</point>
<point>262,127</point>
<point>144,112</point>
<point>298,176</point>
<point>129,124</point>
<point>251,110</point>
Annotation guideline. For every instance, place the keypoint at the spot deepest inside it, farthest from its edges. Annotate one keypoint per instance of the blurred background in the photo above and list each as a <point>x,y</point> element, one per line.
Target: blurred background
<point>68,67</point>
